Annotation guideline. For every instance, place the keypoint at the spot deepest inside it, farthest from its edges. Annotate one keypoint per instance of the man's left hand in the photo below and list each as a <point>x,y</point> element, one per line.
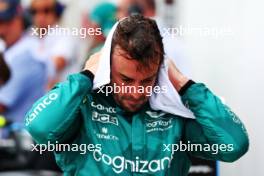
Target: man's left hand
<point>177,79</point>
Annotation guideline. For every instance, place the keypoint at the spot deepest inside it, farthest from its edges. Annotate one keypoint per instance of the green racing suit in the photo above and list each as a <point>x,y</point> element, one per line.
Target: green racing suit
<point>143,143</point>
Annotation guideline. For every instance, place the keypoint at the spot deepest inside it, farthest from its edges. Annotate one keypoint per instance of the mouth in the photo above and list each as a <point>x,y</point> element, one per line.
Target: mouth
<point>134,104</point>
<point>133,101</point>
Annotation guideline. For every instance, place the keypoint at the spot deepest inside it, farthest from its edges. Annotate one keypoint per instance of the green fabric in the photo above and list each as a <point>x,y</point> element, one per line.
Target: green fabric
<point>71,114</point>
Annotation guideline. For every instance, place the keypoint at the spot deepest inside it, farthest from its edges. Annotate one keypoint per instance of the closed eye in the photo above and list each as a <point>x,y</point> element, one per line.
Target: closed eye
<point>127,80</point>
<point>147,80</point>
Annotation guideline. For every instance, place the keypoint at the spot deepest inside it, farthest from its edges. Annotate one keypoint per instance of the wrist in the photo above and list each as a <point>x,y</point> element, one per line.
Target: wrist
<point>179,82</point>
<point>177,79</point>
<point>88,73</point>
<point>186,87</point>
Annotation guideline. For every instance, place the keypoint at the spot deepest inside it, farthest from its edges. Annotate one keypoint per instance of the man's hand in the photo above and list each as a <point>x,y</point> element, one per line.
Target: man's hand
<point>92,63</point>
<point>177,79</point>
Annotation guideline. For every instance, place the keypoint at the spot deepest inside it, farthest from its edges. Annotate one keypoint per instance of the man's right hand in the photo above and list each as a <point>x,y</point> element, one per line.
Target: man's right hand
<point>93,62</point>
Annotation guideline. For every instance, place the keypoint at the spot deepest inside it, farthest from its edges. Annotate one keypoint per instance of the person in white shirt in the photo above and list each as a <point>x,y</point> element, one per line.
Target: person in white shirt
<point>57,47</point>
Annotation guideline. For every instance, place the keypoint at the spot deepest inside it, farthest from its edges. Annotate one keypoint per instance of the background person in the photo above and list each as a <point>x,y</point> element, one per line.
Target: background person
<point>28,76</point>
<point>59,50</point>
<point>27,82</point>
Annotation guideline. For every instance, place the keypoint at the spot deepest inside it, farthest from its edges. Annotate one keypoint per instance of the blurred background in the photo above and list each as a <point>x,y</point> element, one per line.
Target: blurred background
<point>216,42</point>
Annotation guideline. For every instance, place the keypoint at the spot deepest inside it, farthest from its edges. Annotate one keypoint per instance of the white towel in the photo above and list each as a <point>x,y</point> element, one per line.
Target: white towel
<point>169,102</point>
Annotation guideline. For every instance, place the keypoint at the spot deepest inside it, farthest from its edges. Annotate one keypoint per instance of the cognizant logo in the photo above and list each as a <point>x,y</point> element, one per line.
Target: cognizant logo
<point>40,106</point>
<point>119,163</point>
<point>161,123</point>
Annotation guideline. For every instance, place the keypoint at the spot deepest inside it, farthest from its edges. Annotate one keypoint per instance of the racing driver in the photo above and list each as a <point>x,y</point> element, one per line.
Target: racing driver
<point>134,139</point>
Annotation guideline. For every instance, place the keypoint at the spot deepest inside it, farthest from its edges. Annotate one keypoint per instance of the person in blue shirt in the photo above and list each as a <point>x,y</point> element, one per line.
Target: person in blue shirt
<point>28,75</point>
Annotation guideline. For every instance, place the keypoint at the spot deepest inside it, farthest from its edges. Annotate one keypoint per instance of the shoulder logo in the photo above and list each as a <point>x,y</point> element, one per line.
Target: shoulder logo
<point>41,106</point>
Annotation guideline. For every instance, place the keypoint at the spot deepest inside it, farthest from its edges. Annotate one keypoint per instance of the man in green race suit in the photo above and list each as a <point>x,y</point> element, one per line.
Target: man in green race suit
<point>127,136</point>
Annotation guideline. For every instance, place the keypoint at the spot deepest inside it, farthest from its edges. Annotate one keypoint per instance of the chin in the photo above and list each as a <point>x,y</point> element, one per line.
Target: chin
<point>132,110</point>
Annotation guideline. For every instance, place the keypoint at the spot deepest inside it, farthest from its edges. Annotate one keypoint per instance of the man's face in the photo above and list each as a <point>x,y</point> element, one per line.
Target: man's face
<point>133,74</point>
<point>43,12</point>
<point>11,30</point>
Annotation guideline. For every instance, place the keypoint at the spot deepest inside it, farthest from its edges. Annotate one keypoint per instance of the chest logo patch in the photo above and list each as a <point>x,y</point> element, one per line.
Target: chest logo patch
<point>104,118</point>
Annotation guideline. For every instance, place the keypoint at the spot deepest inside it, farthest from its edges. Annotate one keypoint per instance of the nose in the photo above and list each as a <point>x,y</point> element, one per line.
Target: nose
<point>137,94</point>
<point>40,20</point>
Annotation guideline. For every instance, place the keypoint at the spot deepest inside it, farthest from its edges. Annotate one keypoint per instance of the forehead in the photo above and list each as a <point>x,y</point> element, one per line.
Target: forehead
<point>42,3</point>
<point>130,67</point>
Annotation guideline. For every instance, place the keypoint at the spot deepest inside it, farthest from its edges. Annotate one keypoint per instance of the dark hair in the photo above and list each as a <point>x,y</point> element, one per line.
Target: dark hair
<point>140,38</point>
